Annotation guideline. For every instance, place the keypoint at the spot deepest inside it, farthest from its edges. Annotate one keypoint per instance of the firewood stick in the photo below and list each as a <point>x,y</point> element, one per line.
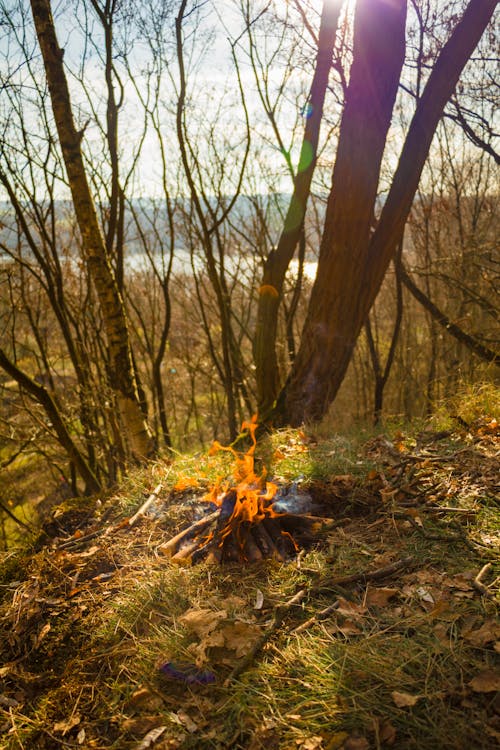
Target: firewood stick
<point>263,540</point>
<point>169,548</point>
<point>145,505</point>
<point>250,549</point>
<point>185,551</point>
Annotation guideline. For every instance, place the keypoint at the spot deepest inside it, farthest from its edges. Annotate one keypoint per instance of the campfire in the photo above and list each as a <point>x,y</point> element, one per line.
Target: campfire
<point>249,522</point>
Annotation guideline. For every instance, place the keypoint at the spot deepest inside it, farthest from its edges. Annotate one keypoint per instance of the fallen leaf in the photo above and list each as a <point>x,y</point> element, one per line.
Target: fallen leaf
<point>187,721</point>
<point>336,741</point>
<point>487,633</point>
<point>202,621</point>
<point>350,608</point>
<point>487,681</point>
<point>150,739</point>
<point>80,737</point>
<point>404,700</point>
<point>240,636</point>
<point>346,629</point>
<point>67,725</point>
<point>387,732</point>
<point>424,595</point>
<point>312,743</point>
<point>145,699</point>
<point>259,599</point>
<point>380,597</point>
<point>356,743</point>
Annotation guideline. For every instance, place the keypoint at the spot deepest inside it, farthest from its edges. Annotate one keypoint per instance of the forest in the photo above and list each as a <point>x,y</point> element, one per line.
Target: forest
<point>249,300</point>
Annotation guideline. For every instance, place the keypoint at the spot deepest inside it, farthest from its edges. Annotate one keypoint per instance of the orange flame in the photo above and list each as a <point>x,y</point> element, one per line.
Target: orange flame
<point>253,493</point>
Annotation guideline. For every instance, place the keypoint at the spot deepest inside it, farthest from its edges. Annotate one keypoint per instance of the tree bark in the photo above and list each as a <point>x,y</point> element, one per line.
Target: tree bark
<point>326,345</point>
<point>121,370</point>
<point>276,265</point>
<point>352,265</point>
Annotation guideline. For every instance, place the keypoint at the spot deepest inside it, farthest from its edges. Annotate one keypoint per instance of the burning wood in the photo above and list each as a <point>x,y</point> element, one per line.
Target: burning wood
<point>247,526</point>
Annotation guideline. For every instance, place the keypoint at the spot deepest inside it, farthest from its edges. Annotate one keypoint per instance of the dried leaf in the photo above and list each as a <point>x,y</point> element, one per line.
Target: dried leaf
<point>241,637</point>
<point>186,721</point>
<point>202,621</point>
<point>487,633</point>
<point>80,737</point>
<point>67,725</point>
<point>380,597</point>
<point>424,595</point>
<point>311,743</point>
<point>404,700</point>
<point>41,635</point>
<point>350,609</point>
<point>487,681</point>
<point>336,741</point>
<point>356,743</point>
<point>387,732</point>
<point>259,599</point>
<point>150,739</point>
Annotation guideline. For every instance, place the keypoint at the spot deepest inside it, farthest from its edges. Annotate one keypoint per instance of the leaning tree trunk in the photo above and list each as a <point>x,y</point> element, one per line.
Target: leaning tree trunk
<point>121,371</point>
<point>276,265</point>
<point>352,264</point>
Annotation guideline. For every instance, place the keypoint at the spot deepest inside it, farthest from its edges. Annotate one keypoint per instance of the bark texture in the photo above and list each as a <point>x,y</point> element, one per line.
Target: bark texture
<point>352,263</point>
<point>121,370</point>
<point>275,268</point>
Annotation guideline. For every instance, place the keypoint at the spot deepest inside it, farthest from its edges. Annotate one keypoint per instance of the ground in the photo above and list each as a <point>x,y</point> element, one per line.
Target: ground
<point>384,632</point>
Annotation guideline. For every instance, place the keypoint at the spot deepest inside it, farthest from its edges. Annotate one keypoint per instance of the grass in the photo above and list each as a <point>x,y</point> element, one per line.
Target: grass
<point>394,665</point>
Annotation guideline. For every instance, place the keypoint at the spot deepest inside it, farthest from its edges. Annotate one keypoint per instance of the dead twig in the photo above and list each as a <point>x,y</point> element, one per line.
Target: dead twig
<point>322,615</point>
<point>146,504</point>
<point>280,613</point>
<point>367,575</point>
<point>478,580</point>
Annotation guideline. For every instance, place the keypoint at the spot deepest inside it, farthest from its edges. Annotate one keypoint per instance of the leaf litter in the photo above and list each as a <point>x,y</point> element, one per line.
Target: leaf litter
<point>405,658</point>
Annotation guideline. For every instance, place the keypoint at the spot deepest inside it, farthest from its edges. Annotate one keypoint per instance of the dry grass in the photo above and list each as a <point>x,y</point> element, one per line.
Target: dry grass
<point>407,661</point>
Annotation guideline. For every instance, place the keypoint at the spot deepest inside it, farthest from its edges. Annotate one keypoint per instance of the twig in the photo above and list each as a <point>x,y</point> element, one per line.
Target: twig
<point>447,509</point>
<point>170,547</point>
<point>367,575</point>
<point>145,505</point>
<point>478,580</point>
<point>322,615</point>
<point>280,613</point>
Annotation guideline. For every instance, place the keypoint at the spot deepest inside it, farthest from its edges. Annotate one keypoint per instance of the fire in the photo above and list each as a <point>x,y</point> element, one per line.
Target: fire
<point>249,501</point>
<point>253,493</point>
<point>245,525</point>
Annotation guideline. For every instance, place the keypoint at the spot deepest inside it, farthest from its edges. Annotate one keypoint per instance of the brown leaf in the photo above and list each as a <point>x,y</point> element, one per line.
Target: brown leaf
<point>240,636</point>
<point>336,741</point>
<point>387,732</point>
<point>202,621</point>
<point>487,633</point>
<point>356,743</point>
<point>404,700</point>
<point>67,725</point>
<point>380,597</point>
<point>311,743</point>
<point>487,681</point>
<point>350,609</point>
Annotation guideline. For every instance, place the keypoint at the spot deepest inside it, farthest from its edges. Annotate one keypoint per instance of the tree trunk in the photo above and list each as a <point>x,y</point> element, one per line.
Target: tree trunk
<point>352,265</point>
<point>327,344</point>
<point>276,265</point>
<point>121,370</point>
